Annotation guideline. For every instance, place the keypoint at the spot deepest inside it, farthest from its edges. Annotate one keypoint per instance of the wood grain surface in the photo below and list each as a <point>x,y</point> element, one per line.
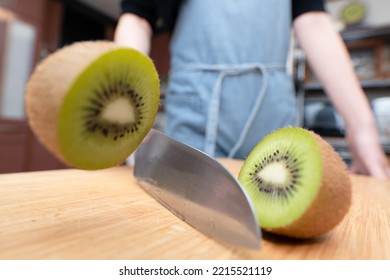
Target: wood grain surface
<point>76,214</point>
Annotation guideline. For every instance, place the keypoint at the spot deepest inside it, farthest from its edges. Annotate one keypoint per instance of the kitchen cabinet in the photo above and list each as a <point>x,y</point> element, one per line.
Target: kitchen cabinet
<point>41,19</point>
<point>21,151</point>
<point>13,145</point>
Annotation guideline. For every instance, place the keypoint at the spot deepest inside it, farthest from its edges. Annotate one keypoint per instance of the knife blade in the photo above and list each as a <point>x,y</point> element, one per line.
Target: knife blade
<point>197,189</point>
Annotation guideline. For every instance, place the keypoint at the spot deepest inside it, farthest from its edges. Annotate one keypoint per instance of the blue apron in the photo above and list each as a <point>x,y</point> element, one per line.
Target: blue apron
<point>228,86</point>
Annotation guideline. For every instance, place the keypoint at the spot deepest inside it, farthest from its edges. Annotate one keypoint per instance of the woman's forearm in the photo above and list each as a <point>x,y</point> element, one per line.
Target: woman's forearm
<point>134,32</point>
<point>330,60</point>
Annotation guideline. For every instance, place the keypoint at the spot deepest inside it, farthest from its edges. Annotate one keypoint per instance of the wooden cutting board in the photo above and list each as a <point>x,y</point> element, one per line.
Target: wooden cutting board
<point>75,214</point>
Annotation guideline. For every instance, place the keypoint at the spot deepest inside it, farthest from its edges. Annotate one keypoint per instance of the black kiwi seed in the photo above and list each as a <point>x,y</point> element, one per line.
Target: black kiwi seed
<point>94,123</point>
<point>279,190</point>
<point>96,103</point>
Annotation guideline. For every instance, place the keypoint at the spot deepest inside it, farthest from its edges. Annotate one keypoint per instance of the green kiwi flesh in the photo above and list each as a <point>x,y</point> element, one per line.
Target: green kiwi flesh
<point>92,103</point>
<point>282,176</point>
<point>115,113</point>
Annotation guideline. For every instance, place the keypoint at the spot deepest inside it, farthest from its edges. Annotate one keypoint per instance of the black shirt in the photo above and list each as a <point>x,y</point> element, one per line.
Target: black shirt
<point>161,14</point>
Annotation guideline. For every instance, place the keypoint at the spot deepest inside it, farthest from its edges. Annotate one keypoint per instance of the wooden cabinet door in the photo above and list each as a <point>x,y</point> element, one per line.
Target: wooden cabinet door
<point>13,139</point>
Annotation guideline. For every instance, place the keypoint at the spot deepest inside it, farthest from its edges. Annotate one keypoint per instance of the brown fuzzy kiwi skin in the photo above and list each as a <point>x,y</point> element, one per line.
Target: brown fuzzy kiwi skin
<point>41,89</point>
<point>46,89</point>
<point>332,202</point>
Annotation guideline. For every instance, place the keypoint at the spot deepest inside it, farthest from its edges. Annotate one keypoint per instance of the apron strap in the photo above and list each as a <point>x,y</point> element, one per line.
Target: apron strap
<point>214,103</point>
<point>253,112</point>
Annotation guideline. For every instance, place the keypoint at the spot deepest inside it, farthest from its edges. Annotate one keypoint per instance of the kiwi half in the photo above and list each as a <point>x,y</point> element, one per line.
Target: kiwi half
<point>298,183</point>
<point>91,103</point>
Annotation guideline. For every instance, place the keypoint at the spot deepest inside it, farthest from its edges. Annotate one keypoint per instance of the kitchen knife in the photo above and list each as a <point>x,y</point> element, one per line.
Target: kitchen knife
<point>197,189</point>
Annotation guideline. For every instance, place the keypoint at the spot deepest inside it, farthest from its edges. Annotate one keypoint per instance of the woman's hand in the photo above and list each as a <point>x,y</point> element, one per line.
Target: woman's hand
<point>368,157</point>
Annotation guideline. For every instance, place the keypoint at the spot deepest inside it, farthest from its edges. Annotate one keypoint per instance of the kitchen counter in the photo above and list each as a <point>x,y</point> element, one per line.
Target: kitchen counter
<point>76,214</point>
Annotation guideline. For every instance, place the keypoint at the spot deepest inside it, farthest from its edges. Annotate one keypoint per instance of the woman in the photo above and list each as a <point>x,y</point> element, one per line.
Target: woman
<point>228,84</point>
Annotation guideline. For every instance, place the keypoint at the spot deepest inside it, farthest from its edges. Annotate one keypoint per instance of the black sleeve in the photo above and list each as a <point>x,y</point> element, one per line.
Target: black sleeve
<point>300,7</point>
<point>161,14</point>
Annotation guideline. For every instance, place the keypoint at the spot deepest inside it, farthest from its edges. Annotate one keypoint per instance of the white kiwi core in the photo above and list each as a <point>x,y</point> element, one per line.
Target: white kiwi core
<point>275,173</point>
<point>119,111</point>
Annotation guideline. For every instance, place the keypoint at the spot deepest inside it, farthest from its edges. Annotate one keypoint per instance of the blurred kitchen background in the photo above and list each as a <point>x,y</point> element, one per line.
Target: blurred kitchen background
<point>32,29</point>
